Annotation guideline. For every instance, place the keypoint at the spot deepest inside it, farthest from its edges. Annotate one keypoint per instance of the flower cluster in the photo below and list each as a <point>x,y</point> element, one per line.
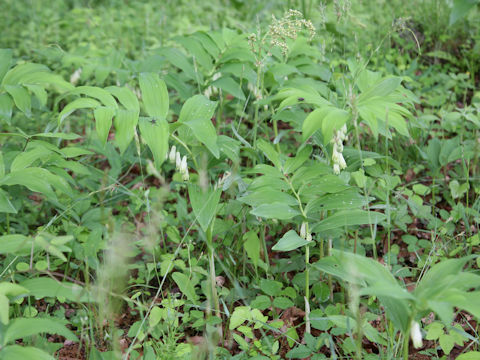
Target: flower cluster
<point>287,28</point>
<point>337,156</point>
<point>180,163</point>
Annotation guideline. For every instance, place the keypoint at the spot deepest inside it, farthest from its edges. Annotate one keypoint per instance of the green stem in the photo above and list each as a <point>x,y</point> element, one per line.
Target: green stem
<point>265,250</point>
<point>307,289</point>
<point>213,289</point>
<point>405,344</point>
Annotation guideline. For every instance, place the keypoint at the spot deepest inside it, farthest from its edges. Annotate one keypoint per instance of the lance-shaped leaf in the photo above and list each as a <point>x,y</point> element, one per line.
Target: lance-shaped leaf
<point>103,122</point>
<point>204,204</point>
<point>197,113</point>
<point>5,61</point>
<point>125,123</point>
<point>155,133</point>
<point>154,95</point>
<point>22,327</point>
<point>290,241</point>
<point>21,97</point>
<point>81,103</point>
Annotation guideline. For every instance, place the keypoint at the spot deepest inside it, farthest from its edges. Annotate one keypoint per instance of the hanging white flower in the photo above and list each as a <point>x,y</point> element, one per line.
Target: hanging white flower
<point>416,335</point>
<point>172,154</point>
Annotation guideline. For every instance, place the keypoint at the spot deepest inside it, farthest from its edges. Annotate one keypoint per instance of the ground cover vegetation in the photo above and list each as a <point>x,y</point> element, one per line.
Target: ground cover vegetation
<point>239,179</point>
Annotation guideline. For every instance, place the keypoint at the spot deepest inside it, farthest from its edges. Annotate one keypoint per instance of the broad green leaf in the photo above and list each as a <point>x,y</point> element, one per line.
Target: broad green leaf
<point>6,106</point>
<point>154,95</point>
<point>43,79</point>
<point>343,200</point>
<point>11,289</point>
<point>5,205</point>
<point>126,97</point>
<point>267,195</point>
<point>324,184</point>
<point>21,97</point>
<point>42,287</point>
<point>348,218</point>
<point>27,158</point>
<point>333,121</point>
<point>275,210</point>
<point>5,61</point>
<point>185,285</point>
<point>204,204</point>
<point>103,122</point>
<point>195,49</point>
<point>179,60</point>
<point>15,75</point>
<point>13,352</point>
<point>81,103</point>
<point>383,88</point>
<point>435,280</point>
<point>447,342</point>
<point>35,179</point>
<point>230,86</point>
<point>294,96</point>
<point>282,302</point>
<point>252,246</point>
<point>98,93</point>
<point>314,121</point>
<point>270,152</point>
<point>15,244</point>
<point>125,124</point>
<point>290,241</point>
<point>155,133</point>
<point>371,276</point>
<point>239,316</point>
<point>197,113</point>
<point>471,355</point>
<point>294,163</point>
<point>20,328</point>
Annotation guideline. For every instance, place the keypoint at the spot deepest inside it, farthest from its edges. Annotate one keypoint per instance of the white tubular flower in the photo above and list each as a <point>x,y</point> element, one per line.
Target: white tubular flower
<point>336,169</point>
<point>309,237</point>
<point>172,154</point>
<point>178,160</point>
<point>303,230</point>
<point>75,76</point>
<point>337,156</point>
<point>183,165</point>
<point>341,161</point>
<point>416,335</point>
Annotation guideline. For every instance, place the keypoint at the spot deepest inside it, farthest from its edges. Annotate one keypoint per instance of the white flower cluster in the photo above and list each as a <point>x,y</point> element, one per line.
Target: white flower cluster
<point>303,232</point>
<point>337,156</point>
<point>180,163</point>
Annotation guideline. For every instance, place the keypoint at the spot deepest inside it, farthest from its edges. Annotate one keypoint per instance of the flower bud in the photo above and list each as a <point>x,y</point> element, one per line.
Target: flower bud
<point>183,165</point>
<point>172,154</point>
<point>178,160</point>
<point>416,335</point>
<point>303,230</point>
